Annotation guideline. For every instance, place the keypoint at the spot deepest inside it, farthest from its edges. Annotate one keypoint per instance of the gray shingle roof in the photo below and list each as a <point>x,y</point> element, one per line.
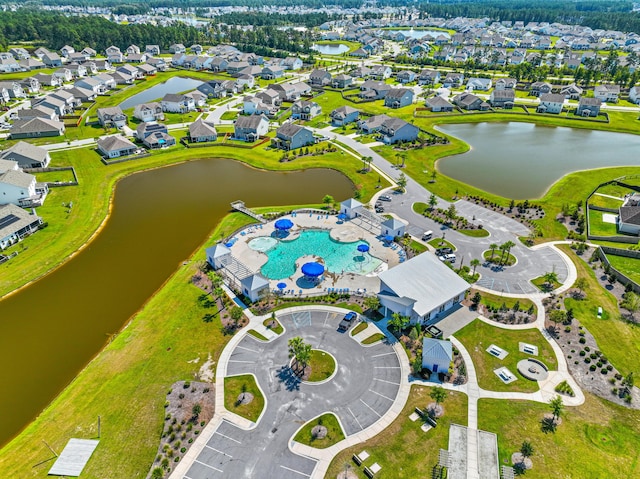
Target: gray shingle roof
<point>250,121</point>
<point>115,143</point>
<point>17,178</point>
<point>35,125</point>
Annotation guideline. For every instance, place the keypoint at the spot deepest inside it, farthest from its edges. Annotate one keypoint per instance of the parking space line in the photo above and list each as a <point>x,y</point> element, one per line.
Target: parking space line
<point>248,349</point>
<point>374,411</point>
<point>383,354</point>
<point>354,417</point>
<point>293,470</point>
<point>185,477</point>
<point>381,395</point>
<point>220,452</point>
<point>388,382</point>
<point>386,367</point>
<point>207,465</point>
<point>227,437</point>
<point>239,361</point>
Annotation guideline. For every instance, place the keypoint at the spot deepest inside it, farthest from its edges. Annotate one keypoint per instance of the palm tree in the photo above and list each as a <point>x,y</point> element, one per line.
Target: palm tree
<point>295,345</point>
<point>526,450</point>
<point>507,247</point>
<point>474,262</point>
<point>503,248</point>
<point>398,321</point>
<point>557,406</point>
<point>433,201</point>
<point>493,247</point>
<point>550,279</point>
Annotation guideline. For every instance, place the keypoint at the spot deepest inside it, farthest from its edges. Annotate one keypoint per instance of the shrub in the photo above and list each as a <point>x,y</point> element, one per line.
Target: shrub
<point>593,355</point>
<point>609,367</point>
<point>176,459</point>
<point>582,353</point>
<point>592,367</point>
<point>604,371</point>
<point>187,384</point>
<point>582,340</point>
<point>587,348</point>
<point>183,450</point>
<point>587,360</point>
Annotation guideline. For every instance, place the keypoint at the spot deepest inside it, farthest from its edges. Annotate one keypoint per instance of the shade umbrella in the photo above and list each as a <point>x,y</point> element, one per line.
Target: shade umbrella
<point>388,238</point>
<point>342,217</point>
<point>283,224</point>
<point>363,248</point>
<point>281,285</point>
<point>312,269</point>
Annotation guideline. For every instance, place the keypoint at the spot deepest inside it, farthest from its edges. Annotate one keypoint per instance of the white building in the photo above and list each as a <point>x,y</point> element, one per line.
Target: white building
<point>436,355</point>
<point>218,255</point>
<point>351,208</point>
<point>392,227</point>
<point>422,288</point>
<point>253,286</point>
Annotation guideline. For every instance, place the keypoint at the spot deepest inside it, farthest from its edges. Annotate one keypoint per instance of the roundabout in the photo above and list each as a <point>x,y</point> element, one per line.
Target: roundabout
<point>359,385</point>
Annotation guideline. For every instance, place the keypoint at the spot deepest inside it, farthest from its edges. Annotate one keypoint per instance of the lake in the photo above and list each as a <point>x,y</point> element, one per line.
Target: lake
<point>421,33</point>
<point>172,85</point>
<point>330,48</point>
<point>522,160</point>
<point>50,330</point>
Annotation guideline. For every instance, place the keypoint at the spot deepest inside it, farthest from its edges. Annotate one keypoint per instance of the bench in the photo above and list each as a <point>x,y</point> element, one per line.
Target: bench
<point>357,460</point>
<point>368,473</point>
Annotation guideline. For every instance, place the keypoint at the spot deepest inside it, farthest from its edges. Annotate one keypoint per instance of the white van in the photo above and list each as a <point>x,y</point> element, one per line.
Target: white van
<point>427,235</point>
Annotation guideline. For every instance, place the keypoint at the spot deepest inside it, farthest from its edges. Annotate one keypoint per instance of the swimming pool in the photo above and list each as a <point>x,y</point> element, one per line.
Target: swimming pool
<point>338,257</point>
<point>262,243</point>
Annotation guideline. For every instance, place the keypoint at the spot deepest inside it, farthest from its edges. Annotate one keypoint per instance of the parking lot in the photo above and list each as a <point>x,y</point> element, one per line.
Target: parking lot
<point>363,389</point>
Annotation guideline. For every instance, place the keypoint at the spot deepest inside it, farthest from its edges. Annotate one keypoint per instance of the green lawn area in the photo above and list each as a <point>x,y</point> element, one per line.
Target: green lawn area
<point>374,338</point>
<point>605,202</point>
<point>54,176</point>
<point>322,366</point>
<point>598,227</point>
<point>478,336</point>
<point>234,386</point>
<point>629,266</point>
<point>617,339</point>
<point>417,247</point>
<point>613,189</point>
<point>441,243</point>
<point>335,433</point>
<point>257,335</point>
<point>495,301</point>
<point>229,115</point>
<point>597,439</point>
<point>477,233</point>
<point>278,329</point>
<point>497,257</point>
<point>541,283</point>
<point>360,327</point>
<point>403,449</point>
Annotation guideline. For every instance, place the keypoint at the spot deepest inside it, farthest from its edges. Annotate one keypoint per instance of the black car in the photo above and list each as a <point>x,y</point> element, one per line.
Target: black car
<point>380,209</point>
<point>443,251</point>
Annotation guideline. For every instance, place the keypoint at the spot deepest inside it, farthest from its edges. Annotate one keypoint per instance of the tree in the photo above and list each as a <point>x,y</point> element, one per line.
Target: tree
<point>451,213</point>
<point>550,279</point>
<point>477,298</point>
<point>508,245</point>
<point>557,316</point>
<point>304,355</point>
<point>328,200</point>
<point>402,181</point>
<point>299,351</point>
<point>557,406</point>
<point>493,247</point>
<point>433,201</point>
<point>398,321</point>
<point>581,284</point>
<point>629,380</point>
<point>630,302</point>
<point>372,303</point>
<point>475,262</point>
<point>236,314</point>
<point>438,394</point>
<point>526,450</point>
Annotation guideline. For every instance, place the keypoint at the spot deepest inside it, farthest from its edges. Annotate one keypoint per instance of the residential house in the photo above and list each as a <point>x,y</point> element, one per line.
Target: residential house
<point>254,106</point>
<point>115,146</point>
<point>196,49</point>
<point>29,64</point>
<point>30,85</point>
<point>14,88</point>
<point>291,63</point>
<point>398,98</point>
<point>341,81</point>
<point>436,355</point>
<point>82,94</point>
<point>269,97</point>
<point>360,53</point>
<point>152,50</point>
<point>8,65</point>
<point>77,70</point>
<point>89,52</point>
<point>147,70</point>
<point>112,116</point>
<point>286,91</point>
<point>393,227</point>
<point>122,78</point>
<point>19,53</point>
<point>132,50</point>
<point>381,72</point>
<point>103,65</point>
<point>483,84</point>
<point>136,57</point>
<point>588,106</point>
<point>252,70</point>
<point>213,89</point>
<point>305,110</point>
<point>244,81</point>
<point>52,60</point>
<point>423,288</point>
<point>405,76</point>
<point>201,131</point>
<point>148,112</point>
<point>159,63</point>
<point>607,93</point>
<point>26,155</point>
<point>234,68</point>
<point>92,84</point>
<point>106,80</point>
<point>60,106</point>
<point>218,64</point>
<point>38,112</point>
<point>199,99</point>
<point>469,101</point>
<point>540,88</point>
<point>551,103</point>
<point>453,80</point>
<point>395,130</point>
<point>291,136</point>
<point>438,104</point>
<point>634,94</point>
<point>344,115</point>
<point>113,54</point>
<point>177,103</point>
<point>372,124</point>
<point>41,52</point>
<point>502,98</point>
<point>64,95</point>
<point>64,74</point>
<point>571,92</point>
<point>374,90</point>
<point>47,80</point>
<point>177,48</point>
<point>629,215</point>
<point>20,189</point>
<point>154,135</point>
<point>130,70</point>
<point>250,128</point>
<point>429,77</point>
<point>506,83</point>
<point>360,72</point>
<point>319,78</point>
<point>15,224</point>
<point>67,50</point>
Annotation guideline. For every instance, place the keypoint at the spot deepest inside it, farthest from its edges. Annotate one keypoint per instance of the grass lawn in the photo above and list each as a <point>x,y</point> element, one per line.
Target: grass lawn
<point>229,115</point>
<point>629,266</point>
<point>477,233</point>
<point>613,189</point>
<point>335,433</point>
<point>278,329</point>
<point>605,202</point>
<point>598,227</point>
<point>441,243</point>
<point>497,257</point>
<point>126,383</point>
<point>597,439</point>
<point>360,327</point>
<point>234,386</point>
<point>495,301</point>
<point>54,176</point>
<point>374,338</point>
<point>257,335</point>
<point>617,339</point>
<point>541,283</point>
<point>417,247</point>
<point>322,365</point>
<point>478,336</point>
<point>403,449</point>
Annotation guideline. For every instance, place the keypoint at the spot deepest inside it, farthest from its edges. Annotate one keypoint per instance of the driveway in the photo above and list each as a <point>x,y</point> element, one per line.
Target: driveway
<point>362,391</point>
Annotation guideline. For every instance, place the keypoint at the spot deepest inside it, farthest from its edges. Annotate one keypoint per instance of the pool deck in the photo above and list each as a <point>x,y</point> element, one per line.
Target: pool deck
<point>345,232</point>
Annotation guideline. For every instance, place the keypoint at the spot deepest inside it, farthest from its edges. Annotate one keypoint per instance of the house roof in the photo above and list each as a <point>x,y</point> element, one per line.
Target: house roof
<point>351,203</point>
<point>552,98</point>
<point>426,279</point>
<point>289,130</point>
<point>173,97</point>
<point>34,125</point>
<point>217,250</point>
<point>11,227</point>
<point>438,101</point>
<point>584,101</point>
<point>147,106</point>
<point>437,349</point>
<point>115,143</point>
<point>6,165</point>
<point>630,215</point>
<point>504,94</point>
<point>397,93</point>
<point>394,123</point>
<point>250,121</point>
<point>254,282</point>
<point>26,150</point>
<point>344,110</point>
<point>376,120</point>
<point>393,223</point>
<point>17,178</point>
<point>201,128</point>
<point>110,111</point>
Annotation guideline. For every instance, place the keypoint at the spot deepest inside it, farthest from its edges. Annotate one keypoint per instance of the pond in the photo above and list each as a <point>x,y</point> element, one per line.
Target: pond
<point>49,331</point>
<point>421,33</point>
<point>330,48</point>
<point>172,85</point>
<point>522,160</point>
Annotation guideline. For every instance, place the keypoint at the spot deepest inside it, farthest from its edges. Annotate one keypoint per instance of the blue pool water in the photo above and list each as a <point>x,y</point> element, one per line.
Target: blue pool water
<point>338,257</point>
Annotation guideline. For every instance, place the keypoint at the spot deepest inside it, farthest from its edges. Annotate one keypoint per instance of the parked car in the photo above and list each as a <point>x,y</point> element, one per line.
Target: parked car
<point>451,258</point>
<point>443,251</point>
<point>427,235</point>
<point>379,209</point>
<point>384,198</point>
<point>347,321</point>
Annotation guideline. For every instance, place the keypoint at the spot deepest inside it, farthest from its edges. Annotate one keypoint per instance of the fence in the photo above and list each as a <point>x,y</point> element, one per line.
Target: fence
<point>615,238</point>
<point>621,277</point>
<point>54,184</point>
<point>108,161</point>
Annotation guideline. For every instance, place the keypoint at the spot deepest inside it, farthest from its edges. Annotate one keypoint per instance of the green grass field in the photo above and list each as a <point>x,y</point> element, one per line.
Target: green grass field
<point>495,301</point>
<point>628,266</point>
<point>605,202</point>
<point>543,285</point>
<point>278,329</point>
<point>360,327</point>
<point>322,366</point>
<point>597,225</point>
<point>374,338</point>
<point>442,243</point>
<point>403,449</point>
<point>478,336</point>
<point>234,386</point>
<point>335,433</point>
